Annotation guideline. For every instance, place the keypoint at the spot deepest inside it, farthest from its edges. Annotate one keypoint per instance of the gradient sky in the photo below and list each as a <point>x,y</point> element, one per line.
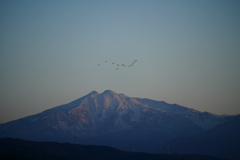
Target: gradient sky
<point>188,52</point>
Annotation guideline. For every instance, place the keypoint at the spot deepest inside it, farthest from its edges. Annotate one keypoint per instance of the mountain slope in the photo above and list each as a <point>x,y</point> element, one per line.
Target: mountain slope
<point>205,120</point>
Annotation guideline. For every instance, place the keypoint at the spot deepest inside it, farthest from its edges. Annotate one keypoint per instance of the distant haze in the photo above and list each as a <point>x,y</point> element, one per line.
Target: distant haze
<point>53,52</point>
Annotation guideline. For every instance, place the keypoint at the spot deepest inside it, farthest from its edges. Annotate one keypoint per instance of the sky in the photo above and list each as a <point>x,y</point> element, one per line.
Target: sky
<point>187,52</point>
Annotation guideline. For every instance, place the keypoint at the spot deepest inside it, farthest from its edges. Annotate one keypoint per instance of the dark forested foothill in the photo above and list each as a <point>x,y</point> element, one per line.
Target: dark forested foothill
<point>27,150</point>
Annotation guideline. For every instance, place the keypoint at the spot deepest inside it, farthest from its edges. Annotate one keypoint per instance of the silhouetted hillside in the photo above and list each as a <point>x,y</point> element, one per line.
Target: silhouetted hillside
<point>21,149</point>
<point>5,156</point>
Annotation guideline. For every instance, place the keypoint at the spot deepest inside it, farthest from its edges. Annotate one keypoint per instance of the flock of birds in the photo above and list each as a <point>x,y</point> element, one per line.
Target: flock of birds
<point>120,65</point>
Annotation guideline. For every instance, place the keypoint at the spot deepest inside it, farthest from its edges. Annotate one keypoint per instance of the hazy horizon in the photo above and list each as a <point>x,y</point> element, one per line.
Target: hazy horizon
<point>187,53</point>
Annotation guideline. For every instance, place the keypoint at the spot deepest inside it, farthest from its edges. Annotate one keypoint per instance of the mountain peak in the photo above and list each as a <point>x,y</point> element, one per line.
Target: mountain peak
<point>93,93</point>
<point>109,92</point>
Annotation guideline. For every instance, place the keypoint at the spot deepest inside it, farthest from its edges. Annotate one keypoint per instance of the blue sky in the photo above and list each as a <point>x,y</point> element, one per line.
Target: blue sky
<point>188,52</point>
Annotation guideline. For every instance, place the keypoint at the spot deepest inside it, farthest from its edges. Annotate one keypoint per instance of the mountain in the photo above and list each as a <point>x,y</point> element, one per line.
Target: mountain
<point>26,150</point>
<point>221,141</point>
<point>115,120</point>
